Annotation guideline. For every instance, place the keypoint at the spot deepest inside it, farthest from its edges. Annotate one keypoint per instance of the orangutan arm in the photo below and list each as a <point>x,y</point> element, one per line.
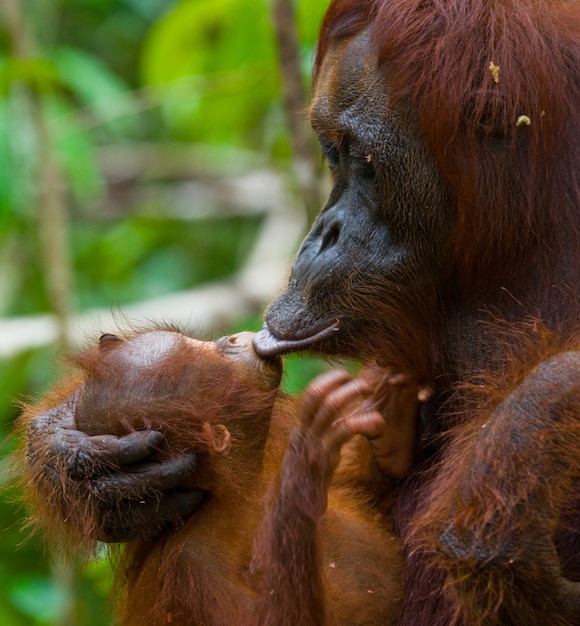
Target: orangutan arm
<point>497,502</point>
<point>287,552</point>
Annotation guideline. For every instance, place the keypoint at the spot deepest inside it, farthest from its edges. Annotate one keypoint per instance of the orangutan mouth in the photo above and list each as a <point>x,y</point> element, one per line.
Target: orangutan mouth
<point>267,344</point>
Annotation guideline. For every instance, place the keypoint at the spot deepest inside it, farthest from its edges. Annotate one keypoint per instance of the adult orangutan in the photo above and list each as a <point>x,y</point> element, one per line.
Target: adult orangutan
<point>258,550</point>
<point>450,249</point>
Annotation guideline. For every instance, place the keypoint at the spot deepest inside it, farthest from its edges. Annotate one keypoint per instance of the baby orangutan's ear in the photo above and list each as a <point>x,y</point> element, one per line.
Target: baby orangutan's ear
<point>220,438</point>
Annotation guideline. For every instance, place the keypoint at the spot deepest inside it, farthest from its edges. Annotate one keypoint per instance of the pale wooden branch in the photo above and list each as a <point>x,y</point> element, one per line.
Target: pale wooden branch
<point>204,311</point>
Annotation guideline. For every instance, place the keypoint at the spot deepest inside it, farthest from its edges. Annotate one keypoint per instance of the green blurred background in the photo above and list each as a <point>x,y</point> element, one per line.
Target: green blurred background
<point>147,171</point>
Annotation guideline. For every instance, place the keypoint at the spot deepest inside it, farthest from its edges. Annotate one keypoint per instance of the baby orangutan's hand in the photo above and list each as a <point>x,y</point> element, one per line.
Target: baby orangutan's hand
<point>332,414</point>
<point>398,397</point>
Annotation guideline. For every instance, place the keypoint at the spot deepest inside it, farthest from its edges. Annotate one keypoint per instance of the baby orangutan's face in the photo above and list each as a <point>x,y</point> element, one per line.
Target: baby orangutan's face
<point>240,347</point>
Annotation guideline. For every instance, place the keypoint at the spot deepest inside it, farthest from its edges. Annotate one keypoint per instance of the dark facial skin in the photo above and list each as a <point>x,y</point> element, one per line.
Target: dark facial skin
<point>380,228</point>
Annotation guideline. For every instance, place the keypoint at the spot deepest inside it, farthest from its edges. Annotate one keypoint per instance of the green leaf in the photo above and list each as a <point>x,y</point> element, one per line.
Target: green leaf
<point>89,79</point>
<point>207,36</point>
<point>309,14</point>
<point>214,63</point>
<point>75,149</point>
<point>40,598</point>
<point>94,86</point>
<point>38,73</point>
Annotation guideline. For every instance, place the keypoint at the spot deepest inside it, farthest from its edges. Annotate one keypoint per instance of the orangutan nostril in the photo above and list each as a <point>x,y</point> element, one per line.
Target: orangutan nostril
<point>330,237</point>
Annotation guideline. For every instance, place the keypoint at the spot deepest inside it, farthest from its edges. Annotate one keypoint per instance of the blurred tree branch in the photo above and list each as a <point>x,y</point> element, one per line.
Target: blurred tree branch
<point>306,156</point>
<point>209,308</point>
<point>53,230</point>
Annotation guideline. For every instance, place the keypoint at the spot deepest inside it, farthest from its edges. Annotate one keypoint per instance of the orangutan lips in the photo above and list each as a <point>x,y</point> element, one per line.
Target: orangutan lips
<point>267,345</point>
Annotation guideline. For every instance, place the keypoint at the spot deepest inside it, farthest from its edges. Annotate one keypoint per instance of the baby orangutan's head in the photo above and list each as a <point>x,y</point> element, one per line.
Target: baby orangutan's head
<point>200,394</point>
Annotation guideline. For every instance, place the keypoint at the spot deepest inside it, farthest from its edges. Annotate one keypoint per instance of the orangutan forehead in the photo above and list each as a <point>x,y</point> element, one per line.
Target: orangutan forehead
<point>350,96</point>
<point>343,77</point>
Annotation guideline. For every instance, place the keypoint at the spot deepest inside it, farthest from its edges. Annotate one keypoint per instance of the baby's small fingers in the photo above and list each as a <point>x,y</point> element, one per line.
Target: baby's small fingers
<point>368,423</point>
<point>373,375</point>
<point>336,402</point>
<point>399,379</point>
<point>318,390</point>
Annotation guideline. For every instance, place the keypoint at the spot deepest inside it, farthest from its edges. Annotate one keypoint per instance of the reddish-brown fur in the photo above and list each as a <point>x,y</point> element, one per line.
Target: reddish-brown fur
<point>258,550</point>
<point>450,248</point>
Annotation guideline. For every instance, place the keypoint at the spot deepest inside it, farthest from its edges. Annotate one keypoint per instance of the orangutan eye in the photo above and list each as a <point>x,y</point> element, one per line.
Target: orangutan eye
<point>490,113</point>
<point>331,154</point>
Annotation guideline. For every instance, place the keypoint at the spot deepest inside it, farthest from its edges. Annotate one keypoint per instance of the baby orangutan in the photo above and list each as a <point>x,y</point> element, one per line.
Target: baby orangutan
<point>291,528</point>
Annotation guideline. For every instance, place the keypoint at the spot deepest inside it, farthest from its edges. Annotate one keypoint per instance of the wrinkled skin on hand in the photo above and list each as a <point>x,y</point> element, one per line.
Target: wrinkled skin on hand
<point>111,475</point>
